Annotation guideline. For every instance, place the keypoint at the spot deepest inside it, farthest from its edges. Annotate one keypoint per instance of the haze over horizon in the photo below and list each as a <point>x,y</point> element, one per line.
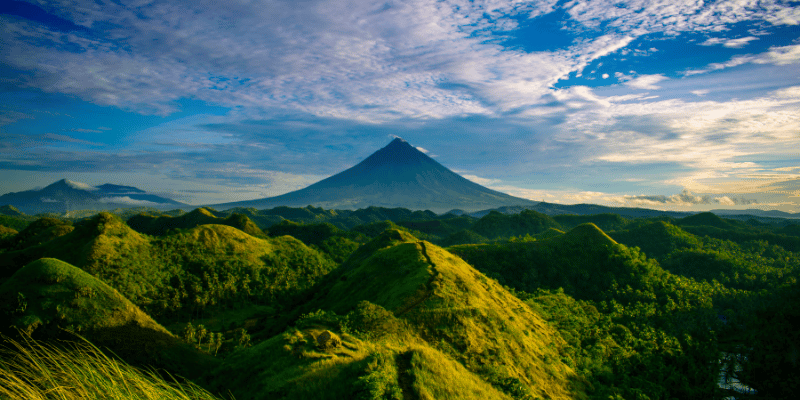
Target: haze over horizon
<point>674,105</point>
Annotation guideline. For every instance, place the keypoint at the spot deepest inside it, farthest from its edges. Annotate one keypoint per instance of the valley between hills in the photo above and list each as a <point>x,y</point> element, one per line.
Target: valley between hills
<point>389,303</point>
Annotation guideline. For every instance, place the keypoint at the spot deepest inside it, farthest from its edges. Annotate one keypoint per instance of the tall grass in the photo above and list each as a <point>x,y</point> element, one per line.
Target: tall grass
<point>33,370</point>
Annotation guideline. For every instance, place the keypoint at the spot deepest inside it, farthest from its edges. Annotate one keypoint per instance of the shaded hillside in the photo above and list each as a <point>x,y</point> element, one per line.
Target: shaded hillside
<point>397,175</point>
<point>606,222</point>
<point>41,231</point>
<point>527,222</point>
<point>585,262</point>
<point>325,237</point>
<point>657,239</point>
<point>638,301</point>
<point>160,225</point>
<point>707,224</point>
<point>10,211</point>
<point>48,295</point>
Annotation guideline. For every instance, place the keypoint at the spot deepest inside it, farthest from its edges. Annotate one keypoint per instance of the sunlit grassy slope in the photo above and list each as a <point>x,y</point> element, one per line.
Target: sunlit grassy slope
<point>452,333</point>
<point>48,296</point>
<point>184,269</point>
<point>33,370</point>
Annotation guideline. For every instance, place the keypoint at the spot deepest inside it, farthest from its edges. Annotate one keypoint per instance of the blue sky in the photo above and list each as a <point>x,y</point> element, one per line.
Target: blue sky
<point>674,104</point>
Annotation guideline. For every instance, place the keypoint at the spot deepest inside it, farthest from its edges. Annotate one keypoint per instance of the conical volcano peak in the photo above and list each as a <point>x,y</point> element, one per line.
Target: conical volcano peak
<point>397,175</point>
<point>398,152</point>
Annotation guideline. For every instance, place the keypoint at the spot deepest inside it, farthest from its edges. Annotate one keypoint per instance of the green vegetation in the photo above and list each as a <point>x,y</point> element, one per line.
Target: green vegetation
<point>159,225</point>
<point>36,370</point>
<point>307,303</point>
<point>49,297</point>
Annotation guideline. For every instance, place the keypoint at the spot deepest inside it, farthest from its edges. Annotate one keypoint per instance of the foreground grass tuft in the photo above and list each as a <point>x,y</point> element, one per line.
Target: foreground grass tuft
<point>37,370</point>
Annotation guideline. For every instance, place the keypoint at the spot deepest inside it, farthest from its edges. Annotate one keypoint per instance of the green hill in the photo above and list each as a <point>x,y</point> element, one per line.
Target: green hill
<point>606,222</point>
<point>10,211</point>
<point>551,263</point>
<point>191,270</point>
<point>41,231</point>
<point>705,219</point>
<point>527,222</point>
<point>326,237</point>
<point>790,230</point>
<point>158,226</point>
<point>48,295</point>
<point>454,309</point>
<point>658,238</point>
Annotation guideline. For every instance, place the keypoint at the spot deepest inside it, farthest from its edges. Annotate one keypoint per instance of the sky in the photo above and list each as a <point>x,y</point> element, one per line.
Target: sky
<point>674,104</point>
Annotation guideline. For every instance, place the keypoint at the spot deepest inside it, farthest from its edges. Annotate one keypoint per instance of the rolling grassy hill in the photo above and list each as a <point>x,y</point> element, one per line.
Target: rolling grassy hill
<point>448,307</point>
<point>49,296</point>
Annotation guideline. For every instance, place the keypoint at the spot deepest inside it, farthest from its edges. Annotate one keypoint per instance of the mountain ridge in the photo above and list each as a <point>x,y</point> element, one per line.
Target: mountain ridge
<point>66,195</point>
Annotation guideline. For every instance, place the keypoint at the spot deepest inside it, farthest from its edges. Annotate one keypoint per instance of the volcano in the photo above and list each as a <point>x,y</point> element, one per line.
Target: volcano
<point>397,175</point>
<point>66,195</point>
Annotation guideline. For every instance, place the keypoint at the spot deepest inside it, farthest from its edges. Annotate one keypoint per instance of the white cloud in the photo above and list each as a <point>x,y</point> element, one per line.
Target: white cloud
<point>127,200</point>
<point>605,76</point>
<point>730,43</point>
<point>778,55</point>
<point>481,181</point>
<point>646,82</point>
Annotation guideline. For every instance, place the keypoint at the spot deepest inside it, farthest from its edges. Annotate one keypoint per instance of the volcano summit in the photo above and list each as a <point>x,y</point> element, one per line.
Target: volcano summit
<point>397,175</point>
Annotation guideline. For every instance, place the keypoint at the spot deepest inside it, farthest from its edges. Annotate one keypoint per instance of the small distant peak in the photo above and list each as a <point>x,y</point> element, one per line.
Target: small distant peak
<point>73,185</point>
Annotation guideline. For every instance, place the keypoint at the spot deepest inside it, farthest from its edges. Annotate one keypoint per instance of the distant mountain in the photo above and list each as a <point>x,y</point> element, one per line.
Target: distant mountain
<point>758,213</point>
<point>397,175</point>
<point>66,195</point>
<point>578,209</point>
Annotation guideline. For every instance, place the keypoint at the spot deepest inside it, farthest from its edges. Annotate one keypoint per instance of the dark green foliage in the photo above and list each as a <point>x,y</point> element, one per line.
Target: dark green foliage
<point>41,231</point>
<point>15,223</point>
<point>790,230</point>
<point>326,237</point>
<point>438,228</point>
<point>374,229</point>
<point>770,352</point>
<point>160,225</point>
<point>606,222</point>
<point>465,236</point>
<point>632,325</point>
<point>11,211</point>
<point>657,239</point>
<point>495,224</point>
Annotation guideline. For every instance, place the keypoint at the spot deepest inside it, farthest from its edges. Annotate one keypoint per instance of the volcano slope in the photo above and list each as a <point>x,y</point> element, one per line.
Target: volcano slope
<point>410,320</point>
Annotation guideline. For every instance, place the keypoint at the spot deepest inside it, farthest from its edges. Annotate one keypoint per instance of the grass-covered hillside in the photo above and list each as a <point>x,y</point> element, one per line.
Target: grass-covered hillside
<point>48,297</point>
<point>308,303</point>
<point>431,324</point>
